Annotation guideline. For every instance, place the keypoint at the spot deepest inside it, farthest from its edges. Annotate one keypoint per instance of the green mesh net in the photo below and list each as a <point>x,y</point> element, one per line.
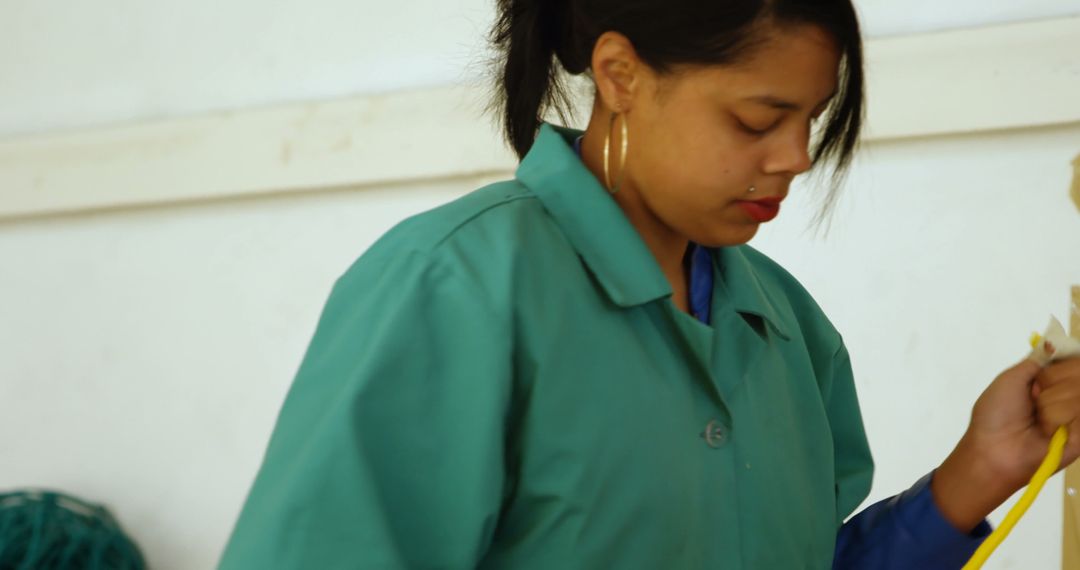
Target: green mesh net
<point>44,530</point>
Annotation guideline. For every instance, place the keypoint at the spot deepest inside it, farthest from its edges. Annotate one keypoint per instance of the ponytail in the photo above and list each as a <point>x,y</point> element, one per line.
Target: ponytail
<point>527,36</point>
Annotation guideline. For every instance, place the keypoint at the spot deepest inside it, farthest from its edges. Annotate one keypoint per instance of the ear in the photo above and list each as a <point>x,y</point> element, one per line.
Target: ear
<point>617,71</point>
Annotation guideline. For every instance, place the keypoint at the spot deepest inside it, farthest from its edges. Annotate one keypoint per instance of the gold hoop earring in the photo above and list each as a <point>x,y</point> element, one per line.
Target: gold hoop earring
<point>622,154</point>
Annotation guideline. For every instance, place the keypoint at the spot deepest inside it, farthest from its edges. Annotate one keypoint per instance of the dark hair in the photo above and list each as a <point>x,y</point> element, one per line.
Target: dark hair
<point>534,38</point>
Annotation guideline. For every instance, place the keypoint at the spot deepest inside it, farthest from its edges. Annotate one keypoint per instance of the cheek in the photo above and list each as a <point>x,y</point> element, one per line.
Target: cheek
<point>693,193</point>
<point>709,156</point>
<point>690,171</point>
<point>708,175</point>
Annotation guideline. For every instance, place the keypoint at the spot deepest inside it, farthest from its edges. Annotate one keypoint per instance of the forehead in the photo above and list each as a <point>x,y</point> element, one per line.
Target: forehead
<point>796,63</point>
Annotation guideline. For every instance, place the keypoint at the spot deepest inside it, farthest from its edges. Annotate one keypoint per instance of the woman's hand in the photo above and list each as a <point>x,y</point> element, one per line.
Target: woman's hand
<point>1007,438</point>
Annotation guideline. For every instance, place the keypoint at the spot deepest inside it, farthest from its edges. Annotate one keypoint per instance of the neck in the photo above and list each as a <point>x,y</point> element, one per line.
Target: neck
<point>667,246</point>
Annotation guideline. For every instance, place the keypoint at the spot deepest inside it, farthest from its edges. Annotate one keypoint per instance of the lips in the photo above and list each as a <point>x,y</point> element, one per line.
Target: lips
<point>762,210</point>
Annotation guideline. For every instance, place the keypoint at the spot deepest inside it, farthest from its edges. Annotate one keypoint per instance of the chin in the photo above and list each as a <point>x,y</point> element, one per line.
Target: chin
<point>727,235</point>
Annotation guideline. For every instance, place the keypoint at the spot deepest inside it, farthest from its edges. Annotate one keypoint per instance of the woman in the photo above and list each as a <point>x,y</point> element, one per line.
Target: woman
<point>586,367</point>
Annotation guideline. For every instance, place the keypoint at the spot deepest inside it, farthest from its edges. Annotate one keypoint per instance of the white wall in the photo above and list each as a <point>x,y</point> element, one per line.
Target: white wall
<point>889,18</point>
<point>79,64</point>
<point>144,354</point>
<point>144,351</point>
<point>75,64</point>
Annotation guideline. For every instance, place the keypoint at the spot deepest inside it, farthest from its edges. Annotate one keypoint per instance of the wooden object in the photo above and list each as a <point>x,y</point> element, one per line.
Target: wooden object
<point>1070,555</point>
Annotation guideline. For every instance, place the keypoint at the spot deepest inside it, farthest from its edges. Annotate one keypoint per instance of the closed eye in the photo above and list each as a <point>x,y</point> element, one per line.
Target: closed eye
<point>752,131</point>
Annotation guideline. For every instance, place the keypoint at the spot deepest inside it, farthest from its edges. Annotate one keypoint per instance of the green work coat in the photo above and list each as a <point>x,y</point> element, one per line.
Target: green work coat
<point>504,382</point>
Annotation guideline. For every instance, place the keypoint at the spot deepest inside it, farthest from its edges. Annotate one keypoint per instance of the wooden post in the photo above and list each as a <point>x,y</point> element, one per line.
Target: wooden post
<point>1070,543</point>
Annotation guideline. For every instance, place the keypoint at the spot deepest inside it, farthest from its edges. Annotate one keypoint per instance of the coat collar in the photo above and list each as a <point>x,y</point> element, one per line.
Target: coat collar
<point>748,292</point>
<point>591,220</point>
<point>610,246</point>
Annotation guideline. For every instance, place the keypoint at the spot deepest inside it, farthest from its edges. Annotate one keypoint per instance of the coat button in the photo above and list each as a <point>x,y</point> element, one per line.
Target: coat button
<point>714,435</point>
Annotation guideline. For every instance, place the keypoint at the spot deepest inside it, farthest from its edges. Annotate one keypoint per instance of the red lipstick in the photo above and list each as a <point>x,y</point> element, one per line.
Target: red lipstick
<point>762,210</point>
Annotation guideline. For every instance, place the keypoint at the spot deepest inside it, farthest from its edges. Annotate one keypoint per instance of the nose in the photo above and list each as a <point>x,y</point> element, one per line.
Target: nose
<point>791,155</point>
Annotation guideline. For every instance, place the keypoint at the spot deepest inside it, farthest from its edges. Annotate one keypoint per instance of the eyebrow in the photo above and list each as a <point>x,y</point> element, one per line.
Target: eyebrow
<point>778,103</point>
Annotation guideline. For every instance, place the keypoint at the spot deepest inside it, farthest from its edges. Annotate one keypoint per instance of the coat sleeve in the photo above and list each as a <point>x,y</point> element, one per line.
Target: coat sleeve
<point>905,531</point>
<point>853,463</point>
<point>388,451</point>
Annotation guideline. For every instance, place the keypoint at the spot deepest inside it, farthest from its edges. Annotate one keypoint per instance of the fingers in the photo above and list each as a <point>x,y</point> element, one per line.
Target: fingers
<point>1058,372</point>
<point>1057,407</point>
<point>1020,375</point>
<point>1058,396</point>
<point>1024,369</point>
